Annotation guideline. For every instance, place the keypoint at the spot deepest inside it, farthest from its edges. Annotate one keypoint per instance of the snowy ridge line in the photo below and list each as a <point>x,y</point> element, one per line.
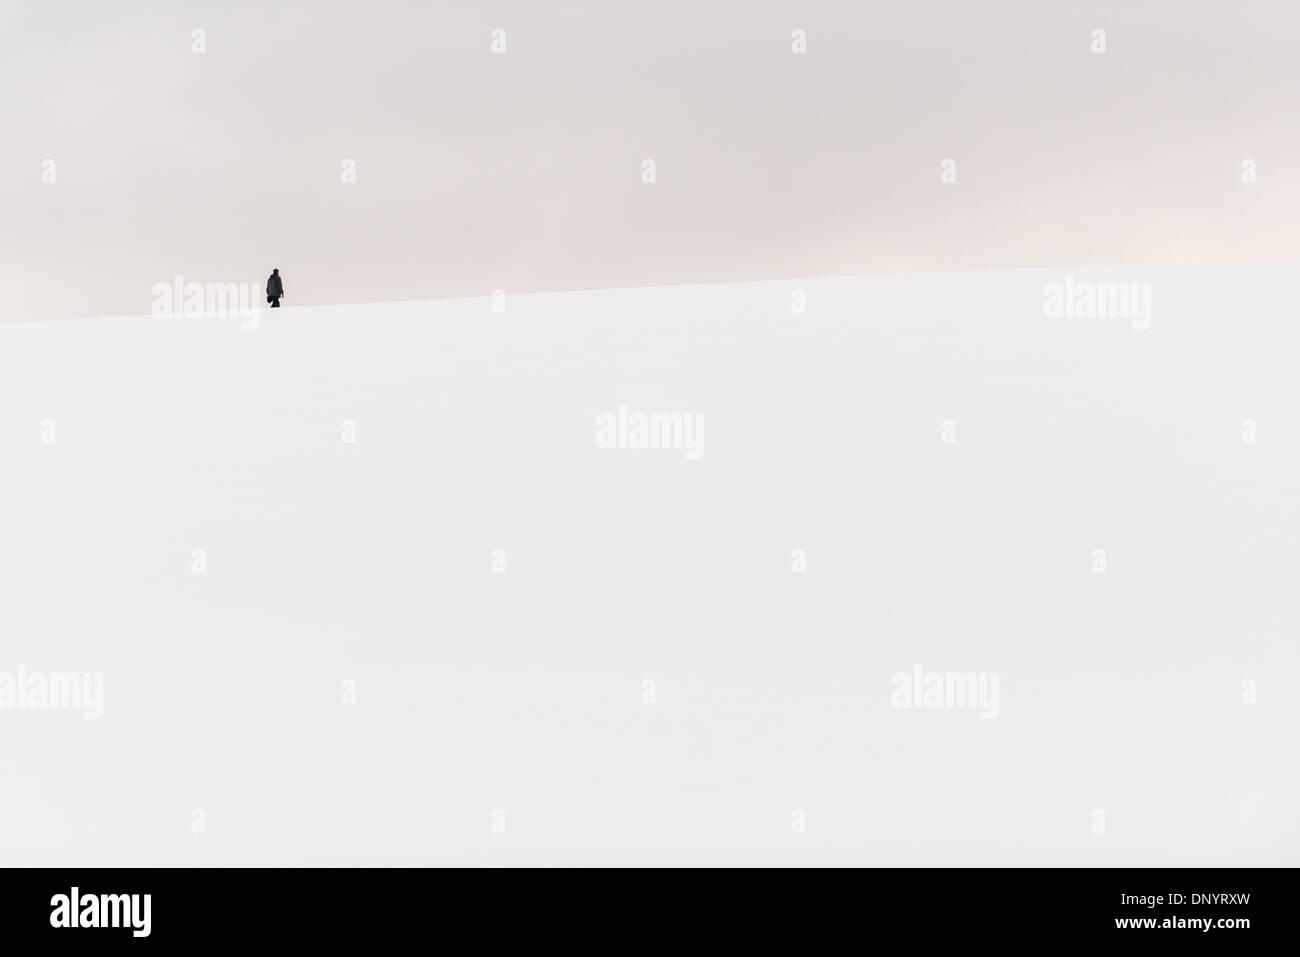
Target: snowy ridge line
<point>495,298</point>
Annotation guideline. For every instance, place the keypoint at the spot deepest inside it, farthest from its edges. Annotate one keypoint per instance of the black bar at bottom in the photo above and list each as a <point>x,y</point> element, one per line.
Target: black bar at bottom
<point>659,907</point>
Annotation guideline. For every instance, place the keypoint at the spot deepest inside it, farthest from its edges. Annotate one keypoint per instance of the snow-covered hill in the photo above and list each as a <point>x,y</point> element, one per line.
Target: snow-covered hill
<point>396,584</point>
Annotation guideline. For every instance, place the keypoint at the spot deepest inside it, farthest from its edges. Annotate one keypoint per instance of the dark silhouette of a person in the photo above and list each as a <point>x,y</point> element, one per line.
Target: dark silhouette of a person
<point>274,289</point>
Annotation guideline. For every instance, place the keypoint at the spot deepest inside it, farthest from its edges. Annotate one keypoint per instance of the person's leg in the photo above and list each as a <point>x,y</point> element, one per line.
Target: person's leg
<point>275,303</point>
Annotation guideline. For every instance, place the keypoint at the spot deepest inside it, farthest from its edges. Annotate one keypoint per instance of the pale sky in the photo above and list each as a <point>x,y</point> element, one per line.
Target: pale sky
<point>522,171</point>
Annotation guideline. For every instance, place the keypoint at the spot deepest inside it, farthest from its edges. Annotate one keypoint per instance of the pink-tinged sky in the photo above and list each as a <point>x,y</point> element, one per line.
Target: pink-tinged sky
<point>522,171</point>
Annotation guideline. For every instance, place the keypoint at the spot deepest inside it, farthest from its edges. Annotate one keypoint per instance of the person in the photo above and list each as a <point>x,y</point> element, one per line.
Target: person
<point>274,289</point>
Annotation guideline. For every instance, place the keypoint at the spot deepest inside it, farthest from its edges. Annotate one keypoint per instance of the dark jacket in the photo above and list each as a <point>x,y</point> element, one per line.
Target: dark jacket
<point>274,288</point>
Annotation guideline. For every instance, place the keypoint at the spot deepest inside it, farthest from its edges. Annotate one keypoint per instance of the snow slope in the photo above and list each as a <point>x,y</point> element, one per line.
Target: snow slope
<point>562,653</point>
